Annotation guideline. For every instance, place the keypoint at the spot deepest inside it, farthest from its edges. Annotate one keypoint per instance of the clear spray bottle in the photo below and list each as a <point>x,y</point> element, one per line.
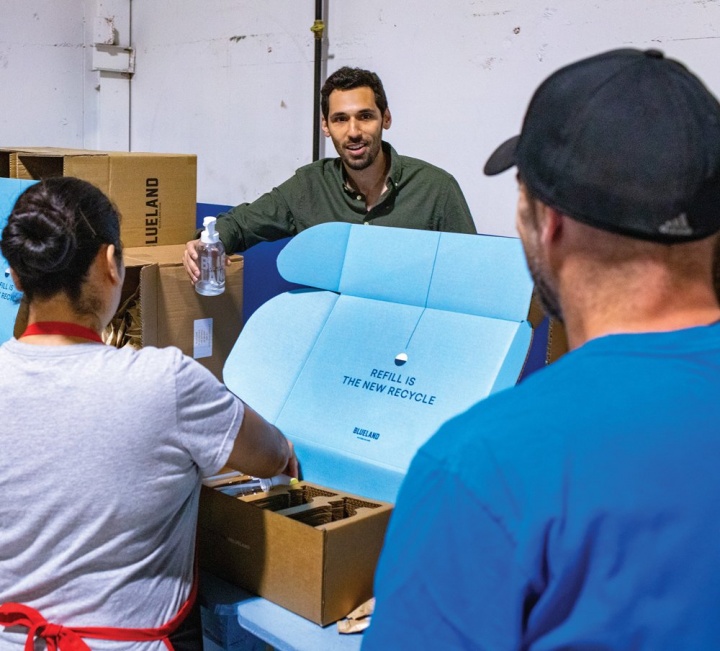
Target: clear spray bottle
<point>257,485</point>
<point>211,260</point>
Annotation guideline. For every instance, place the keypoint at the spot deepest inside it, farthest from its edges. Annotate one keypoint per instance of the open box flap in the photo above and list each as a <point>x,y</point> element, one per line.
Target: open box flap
<point>273,346</point>
<point>482,275</point>
<point>425,325</point>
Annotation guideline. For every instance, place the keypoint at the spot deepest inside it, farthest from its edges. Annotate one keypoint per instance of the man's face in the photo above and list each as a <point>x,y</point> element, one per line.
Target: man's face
<point>528,228</point>
<point>355,125</point>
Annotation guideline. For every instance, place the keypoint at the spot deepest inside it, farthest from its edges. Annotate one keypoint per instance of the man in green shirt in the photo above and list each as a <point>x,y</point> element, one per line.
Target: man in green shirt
<point>369,183</point>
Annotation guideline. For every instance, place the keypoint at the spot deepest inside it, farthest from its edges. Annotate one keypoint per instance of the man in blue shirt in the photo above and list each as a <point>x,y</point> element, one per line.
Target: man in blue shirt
<point>581,509</point>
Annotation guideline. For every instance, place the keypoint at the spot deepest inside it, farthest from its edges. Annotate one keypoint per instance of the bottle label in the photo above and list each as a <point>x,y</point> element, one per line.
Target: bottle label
<point>212,268</point>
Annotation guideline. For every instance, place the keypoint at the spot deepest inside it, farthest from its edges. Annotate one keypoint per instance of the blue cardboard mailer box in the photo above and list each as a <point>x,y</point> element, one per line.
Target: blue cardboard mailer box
<point>10,190</point>
<point>402,330</point>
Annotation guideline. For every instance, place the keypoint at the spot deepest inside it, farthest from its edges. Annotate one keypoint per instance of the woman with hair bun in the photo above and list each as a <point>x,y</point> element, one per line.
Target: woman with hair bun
<point>103,449</point>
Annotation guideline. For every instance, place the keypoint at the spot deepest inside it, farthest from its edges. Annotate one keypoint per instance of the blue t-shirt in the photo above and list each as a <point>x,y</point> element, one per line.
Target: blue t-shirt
<point>578,510</point>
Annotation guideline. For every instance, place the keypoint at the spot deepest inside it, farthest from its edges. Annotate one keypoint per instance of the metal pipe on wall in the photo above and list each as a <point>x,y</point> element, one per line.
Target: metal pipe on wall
<point>318,29</point>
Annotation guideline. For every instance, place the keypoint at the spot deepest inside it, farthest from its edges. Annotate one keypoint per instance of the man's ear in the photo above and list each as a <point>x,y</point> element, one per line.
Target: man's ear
<point>387,119</point>
<point>551,225</point>
<point>325,129</point>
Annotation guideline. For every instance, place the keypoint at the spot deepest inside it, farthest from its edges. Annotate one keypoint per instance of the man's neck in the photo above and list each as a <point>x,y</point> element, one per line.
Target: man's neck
<point>633,309</point>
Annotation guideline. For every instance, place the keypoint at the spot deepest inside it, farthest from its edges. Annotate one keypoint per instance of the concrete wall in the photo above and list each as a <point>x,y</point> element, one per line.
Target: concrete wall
<point>41,73</point>
<point>231,80</point>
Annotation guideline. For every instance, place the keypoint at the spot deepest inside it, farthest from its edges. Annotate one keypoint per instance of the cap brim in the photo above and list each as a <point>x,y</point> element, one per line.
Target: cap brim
<point>503,158</point>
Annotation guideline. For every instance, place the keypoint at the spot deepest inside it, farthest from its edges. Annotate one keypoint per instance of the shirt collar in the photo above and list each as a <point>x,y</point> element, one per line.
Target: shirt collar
<point>395,165</point>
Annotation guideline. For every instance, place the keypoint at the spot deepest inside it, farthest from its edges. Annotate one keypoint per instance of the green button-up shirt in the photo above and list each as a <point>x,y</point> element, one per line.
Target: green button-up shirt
<point>419,195</point>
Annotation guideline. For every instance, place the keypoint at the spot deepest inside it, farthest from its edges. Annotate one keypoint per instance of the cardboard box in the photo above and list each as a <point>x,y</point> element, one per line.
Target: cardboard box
<point>8,161</point>
<point>405,330</point>
<point>268,546</point>
<point>172,313</point>
<point>156,194</point>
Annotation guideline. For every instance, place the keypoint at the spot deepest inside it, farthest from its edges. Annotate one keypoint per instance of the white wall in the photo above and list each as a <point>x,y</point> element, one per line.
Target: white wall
<point>231,80</point>
<point>41,73</point>
<point>50,94</point>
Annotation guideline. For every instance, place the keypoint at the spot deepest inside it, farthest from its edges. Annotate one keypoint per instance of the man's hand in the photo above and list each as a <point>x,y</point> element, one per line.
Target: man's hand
<point>190,260</point>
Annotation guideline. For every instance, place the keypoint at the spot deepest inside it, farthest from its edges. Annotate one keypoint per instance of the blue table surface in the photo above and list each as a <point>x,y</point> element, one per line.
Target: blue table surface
<point>278,627</point>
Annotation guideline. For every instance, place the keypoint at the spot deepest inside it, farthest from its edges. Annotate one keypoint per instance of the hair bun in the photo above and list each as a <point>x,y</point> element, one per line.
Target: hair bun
<point>54,234</point>
<point>42,236</point>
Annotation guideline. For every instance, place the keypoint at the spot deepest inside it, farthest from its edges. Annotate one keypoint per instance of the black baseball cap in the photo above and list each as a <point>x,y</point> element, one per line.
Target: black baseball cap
<point>626,141</point>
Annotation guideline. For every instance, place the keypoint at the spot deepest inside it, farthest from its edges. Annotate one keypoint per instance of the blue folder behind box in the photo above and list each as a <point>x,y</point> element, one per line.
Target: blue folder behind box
<point>404,330</point>
<point>10,190</point>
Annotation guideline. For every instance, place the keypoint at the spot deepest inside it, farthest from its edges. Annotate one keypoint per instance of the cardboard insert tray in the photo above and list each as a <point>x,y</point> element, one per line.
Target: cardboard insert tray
<point>296,545</point>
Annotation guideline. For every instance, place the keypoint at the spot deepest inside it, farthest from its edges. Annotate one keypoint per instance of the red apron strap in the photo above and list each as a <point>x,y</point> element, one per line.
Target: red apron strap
<point>67,638</point>
<point>56,637</point>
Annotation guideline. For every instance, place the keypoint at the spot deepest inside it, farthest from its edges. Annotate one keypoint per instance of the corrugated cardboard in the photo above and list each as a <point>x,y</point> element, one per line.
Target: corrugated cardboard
<point>155,193</point>
<point>173,314</point>
<point>316,572</point>
<point>406,330</point>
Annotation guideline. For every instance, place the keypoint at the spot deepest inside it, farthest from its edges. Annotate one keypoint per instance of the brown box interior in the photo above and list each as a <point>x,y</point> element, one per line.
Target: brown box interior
<point>5,164</point>
<point>309,548</point>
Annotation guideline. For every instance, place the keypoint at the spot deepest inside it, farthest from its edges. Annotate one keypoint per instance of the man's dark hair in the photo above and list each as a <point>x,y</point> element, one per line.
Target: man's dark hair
<point>347,78</point>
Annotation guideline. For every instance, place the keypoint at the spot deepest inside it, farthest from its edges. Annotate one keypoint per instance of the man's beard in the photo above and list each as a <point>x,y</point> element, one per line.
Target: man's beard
<point>545,291</point>
<point>358,164</point>
<point>544,286</point>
